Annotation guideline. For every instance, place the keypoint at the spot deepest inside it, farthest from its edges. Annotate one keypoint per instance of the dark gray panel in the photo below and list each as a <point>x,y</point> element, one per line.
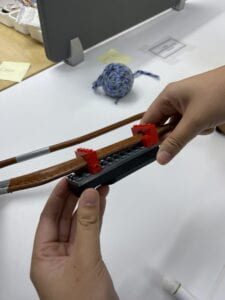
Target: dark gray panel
<point>91,20</point>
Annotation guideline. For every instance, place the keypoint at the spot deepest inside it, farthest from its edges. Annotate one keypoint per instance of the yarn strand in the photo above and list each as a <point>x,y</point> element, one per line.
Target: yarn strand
<point>98,83</point>
<point>140,72</point>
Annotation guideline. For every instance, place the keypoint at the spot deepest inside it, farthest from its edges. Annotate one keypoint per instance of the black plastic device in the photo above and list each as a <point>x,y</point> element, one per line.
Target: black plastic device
<point>114,167</point>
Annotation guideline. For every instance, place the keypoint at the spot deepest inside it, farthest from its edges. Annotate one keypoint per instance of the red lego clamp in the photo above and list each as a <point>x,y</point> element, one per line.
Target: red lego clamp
<point>150,134</point>
<point>91,158</point>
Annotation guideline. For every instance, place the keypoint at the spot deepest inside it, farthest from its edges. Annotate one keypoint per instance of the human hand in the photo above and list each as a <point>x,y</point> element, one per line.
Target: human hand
<point>66,260</point>
<point>196,105</point>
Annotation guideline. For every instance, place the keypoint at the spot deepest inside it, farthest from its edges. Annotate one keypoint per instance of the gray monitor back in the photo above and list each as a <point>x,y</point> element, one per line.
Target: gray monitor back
<point>92,21</point>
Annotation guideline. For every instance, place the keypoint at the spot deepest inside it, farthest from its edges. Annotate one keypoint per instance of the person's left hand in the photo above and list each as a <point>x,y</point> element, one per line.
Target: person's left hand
<point>66,261</point>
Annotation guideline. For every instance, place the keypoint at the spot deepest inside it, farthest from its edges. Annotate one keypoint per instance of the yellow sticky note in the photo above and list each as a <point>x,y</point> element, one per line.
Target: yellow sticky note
<point>113,56</point>
<point>13,71</point>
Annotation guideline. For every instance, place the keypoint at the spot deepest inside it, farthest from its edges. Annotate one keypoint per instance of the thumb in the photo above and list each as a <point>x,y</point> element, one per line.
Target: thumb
<point>183,133</point>
<point>88,227</point>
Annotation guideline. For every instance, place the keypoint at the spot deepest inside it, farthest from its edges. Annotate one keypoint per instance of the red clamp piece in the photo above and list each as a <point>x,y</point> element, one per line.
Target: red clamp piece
<point>91,159</point>
<point>150,134</point>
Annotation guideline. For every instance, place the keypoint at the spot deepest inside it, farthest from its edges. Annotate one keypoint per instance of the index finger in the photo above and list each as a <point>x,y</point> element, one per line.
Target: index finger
<point>159,111</point>
<point>48,228</point>
<point>165,105</point>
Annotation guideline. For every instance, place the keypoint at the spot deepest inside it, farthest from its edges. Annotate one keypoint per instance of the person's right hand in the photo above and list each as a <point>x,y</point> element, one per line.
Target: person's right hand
<point>195,104</point>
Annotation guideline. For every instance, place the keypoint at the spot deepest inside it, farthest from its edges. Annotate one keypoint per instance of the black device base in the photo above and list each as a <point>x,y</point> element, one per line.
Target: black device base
<point>114,167</point>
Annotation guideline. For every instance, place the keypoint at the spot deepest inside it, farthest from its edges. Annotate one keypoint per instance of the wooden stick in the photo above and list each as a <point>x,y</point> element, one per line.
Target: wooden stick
<point>49,174</point>
<point>69,143</point>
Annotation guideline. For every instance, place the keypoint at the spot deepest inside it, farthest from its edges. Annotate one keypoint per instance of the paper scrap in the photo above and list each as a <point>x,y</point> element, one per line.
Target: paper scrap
<point>167,47</point>
<point>113,56</point>
<point>28,16</point>
<point>13,71</point>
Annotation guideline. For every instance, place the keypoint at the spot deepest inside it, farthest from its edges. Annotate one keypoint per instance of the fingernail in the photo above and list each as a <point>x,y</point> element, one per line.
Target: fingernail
<point>164,157</point>
<point>90,201</point>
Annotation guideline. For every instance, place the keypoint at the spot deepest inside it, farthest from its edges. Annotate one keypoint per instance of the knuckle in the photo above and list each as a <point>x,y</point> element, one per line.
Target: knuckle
<point>166,105</point>
<point>175,142</point>
<point>171,86</point>
<point>87,220</point>
<point>207,131</point>
<point>196,123</point>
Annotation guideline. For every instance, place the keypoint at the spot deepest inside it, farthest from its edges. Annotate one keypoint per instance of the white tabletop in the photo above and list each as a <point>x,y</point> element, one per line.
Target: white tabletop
<point>161,220</point>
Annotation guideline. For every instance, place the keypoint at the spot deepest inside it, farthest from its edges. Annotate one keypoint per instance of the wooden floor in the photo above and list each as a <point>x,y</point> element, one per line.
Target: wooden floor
<point>15,46</point>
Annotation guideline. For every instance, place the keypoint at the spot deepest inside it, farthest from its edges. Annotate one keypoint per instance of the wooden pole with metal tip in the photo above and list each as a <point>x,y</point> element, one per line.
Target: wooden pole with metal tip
<point>44,176</point>
<point>69,143</point>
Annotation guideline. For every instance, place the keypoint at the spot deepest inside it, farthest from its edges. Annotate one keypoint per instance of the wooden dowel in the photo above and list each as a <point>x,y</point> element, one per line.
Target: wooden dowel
<point>8,162</point>
<point>95,134</point>
<point>69,143</point>
<point>49,174</point>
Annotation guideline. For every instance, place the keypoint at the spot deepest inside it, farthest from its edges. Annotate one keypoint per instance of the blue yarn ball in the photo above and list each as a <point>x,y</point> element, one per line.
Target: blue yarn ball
<point>116,80</point>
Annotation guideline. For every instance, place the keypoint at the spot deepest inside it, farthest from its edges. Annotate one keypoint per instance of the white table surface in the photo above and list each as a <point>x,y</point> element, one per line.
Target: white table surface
<point>161,220</point>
